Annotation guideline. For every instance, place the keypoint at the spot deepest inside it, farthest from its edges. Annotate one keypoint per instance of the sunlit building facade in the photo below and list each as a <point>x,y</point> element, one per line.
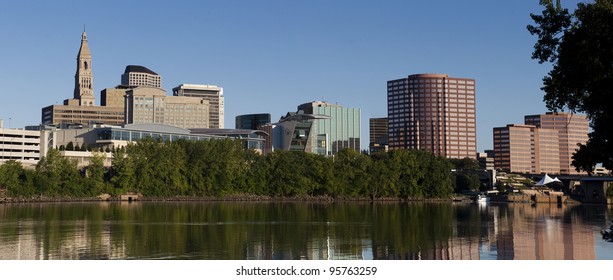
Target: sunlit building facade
<point>144,105</point>
<point>522,148</point>
<point>136,75</point>
<point>81,109</point>
<point>213,94</point>
<point>433,112</point>
<point>571,130</point>
<point>544,144</point>
<point>19,145</point>
<point>331,127</point>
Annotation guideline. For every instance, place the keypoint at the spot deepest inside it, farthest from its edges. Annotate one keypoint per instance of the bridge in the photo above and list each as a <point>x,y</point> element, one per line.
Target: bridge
<point>590,189</point>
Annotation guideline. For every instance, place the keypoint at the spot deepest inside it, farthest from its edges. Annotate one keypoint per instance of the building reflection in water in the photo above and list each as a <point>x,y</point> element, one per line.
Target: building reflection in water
<point>514,232</point>
<point>457,232</point>
<point>544,232</point>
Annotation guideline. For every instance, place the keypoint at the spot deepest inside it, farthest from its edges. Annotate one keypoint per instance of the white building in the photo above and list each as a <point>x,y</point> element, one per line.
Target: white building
<point>212,93</point>
<point>20,145</point>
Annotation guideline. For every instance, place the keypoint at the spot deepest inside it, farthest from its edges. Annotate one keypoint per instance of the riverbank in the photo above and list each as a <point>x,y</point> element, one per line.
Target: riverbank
<point>230,198</point>
<point>458,198</point>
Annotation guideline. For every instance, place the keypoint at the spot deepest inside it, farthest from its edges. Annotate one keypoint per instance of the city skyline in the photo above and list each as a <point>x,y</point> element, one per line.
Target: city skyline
<point>271,56</point>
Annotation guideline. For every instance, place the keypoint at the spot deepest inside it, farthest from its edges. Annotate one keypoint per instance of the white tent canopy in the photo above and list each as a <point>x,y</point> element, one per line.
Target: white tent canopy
<point>546,180</point>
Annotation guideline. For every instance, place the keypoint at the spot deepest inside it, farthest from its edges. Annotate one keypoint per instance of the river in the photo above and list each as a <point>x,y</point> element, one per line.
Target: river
<point>302,230</point>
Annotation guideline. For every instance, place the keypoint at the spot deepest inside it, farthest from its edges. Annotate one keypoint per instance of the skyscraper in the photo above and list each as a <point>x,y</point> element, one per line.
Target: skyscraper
<point>213,94</point>
<point>433,112</point>
<point>378,134</point>
<point>524,148</point>
<point>571,130</point>
<point>544,144</point>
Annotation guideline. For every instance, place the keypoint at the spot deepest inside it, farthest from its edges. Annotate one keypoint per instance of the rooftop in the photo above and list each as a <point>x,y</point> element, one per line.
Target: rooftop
<point>139,69</point>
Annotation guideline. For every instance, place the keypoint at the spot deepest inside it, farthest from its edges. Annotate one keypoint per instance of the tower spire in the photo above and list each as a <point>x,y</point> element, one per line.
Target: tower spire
<point>84,78</point>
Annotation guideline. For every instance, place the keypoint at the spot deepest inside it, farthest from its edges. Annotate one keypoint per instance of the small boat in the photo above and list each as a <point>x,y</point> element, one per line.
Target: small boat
<point>482,199</point>
<point>607,233</point>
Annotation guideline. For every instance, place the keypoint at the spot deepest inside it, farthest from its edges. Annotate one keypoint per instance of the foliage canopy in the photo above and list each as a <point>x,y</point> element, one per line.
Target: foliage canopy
<point>580,47</point>
<point>220,168</point>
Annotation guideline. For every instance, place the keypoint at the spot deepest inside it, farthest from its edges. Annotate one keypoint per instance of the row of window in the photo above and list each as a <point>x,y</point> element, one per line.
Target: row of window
<point>416,91</point>
<point>427,86</point>
<point>418,81</point>
<point>429,95</point>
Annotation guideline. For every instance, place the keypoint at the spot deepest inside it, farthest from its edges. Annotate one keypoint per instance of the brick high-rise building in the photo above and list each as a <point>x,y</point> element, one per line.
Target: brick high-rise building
<point>571,130</point>
<point>526,149</point>
<point>544,144</point>
<point>433,112</point>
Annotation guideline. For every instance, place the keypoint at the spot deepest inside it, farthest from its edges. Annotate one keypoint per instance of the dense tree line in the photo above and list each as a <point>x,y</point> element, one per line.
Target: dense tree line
<point>220,168</point>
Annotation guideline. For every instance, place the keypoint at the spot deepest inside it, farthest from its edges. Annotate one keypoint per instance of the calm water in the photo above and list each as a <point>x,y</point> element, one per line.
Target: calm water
<point>245,230</point>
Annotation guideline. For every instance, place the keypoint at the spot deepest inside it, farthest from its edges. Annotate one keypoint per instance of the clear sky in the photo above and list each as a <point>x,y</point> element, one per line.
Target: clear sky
<point>271,56</point>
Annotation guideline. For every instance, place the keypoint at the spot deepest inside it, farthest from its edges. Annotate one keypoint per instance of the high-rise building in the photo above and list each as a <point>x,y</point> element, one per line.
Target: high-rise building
<point>341,129</point>
<point>81,109</point>
<point>544,144</point>
<point>433,112</point>
<point>523,148</point>
<point>136,75</point>
<point>318,127</point>
<point>571,130</point>
<point>378,134</point>
<point>150,105</point>
<point>212,93</point>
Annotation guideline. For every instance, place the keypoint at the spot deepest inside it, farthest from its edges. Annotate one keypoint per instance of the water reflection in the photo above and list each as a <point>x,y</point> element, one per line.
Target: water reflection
<point>236,231</point>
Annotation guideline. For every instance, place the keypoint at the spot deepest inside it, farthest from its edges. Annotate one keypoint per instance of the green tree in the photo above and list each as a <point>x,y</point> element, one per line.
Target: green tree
<point>465,177</point>
<point>467,182</point>
<point>58,176</point>
<point>464,163</point>
<point>95,175</point>
<point>580,47</point>
<point>10,173</point>
<point>351,174</point>
<point>123,175</point>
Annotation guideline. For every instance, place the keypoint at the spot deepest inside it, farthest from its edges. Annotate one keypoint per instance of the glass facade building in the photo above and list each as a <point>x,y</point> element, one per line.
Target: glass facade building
<point>341,130</point>
<point>251,121</point>
<point>378,134</point>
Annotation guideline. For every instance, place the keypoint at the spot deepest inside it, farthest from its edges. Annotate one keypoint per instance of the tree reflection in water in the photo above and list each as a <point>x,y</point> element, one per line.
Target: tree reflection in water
<point>299,230</point>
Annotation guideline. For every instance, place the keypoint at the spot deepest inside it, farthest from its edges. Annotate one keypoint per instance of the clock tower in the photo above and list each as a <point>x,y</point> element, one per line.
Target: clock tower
<point>84,79</point>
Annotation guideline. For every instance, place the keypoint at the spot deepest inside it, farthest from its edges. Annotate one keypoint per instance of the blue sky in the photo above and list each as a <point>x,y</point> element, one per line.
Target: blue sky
<point>271,56</point>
